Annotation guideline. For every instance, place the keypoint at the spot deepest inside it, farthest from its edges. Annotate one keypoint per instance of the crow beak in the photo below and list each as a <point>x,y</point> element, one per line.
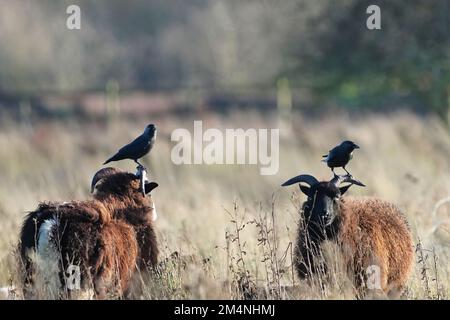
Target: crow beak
<point>356,146</point>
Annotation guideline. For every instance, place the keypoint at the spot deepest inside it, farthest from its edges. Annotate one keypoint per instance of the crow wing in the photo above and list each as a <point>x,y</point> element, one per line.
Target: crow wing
<point>134,150</point>
<point>332,154</point>
<point>137,148</point>
<point>338,157</point>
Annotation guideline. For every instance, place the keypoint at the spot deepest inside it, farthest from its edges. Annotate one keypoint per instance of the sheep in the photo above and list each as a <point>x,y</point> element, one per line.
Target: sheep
<point>105,239</point>
<point>373,235</point>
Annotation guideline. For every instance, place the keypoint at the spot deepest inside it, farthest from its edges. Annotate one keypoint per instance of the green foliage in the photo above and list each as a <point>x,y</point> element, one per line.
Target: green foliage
<point>408,57</point>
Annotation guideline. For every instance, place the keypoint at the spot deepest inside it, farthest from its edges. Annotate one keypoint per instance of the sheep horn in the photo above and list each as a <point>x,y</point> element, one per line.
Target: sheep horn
<point>337,180</point>
<point>142,175</point>
<point>309,179</point>
<point>102,173</point>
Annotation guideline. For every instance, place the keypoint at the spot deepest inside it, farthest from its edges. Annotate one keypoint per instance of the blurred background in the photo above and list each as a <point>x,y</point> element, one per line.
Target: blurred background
<point>70,98</point>
<point>229,53</point>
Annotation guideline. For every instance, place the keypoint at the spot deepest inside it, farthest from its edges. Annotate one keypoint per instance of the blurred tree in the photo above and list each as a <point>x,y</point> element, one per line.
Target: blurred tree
<point>409,56</point>
<point>322,47</point>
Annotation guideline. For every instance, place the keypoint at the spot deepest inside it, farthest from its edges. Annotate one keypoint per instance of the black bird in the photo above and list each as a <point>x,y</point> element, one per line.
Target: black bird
<point>340,156</point>
<point>138,148</point>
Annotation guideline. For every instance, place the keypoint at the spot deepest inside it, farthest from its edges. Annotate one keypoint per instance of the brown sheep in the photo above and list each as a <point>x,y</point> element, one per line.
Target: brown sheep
<point>106,238</point>
<point>370,232</point>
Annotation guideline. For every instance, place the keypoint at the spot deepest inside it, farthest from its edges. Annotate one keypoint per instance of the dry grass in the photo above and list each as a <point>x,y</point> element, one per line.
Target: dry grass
<point>232,229</point>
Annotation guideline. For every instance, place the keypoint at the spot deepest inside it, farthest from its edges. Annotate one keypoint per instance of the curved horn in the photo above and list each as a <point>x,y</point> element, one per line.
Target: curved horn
<point>102,173</point>
<point>142,175</point>
<point>307,178</point>
<point>337,180</point>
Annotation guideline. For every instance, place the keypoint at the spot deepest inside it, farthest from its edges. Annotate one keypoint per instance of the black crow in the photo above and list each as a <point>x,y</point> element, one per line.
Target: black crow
<point>138,148</point>
<point>339,156</point>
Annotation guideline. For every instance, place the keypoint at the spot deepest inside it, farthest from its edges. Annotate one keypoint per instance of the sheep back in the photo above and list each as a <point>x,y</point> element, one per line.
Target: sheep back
<point>105,249</point>
<point>375,232</point>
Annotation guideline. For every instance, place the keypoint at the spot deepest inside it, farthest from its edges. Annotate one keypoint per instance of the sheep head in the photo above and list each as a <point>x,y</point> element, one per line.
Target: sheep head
<point>113,182</point>
<point>110,178</point>
<point>322,205</point>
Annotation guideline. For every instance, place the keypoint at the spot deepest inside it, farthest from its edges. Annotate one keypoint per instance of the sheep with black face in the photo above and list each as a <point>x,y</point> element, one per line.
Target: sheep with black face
<point>368,231</point>
<point>106,238</point>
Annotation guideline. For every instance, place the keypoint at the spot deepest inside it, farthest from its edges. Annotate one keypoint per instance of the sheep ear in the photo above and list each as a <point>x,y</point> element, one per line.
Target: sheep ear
<point>344,189</point>
<point>306,190</point>
<point>149,186</point>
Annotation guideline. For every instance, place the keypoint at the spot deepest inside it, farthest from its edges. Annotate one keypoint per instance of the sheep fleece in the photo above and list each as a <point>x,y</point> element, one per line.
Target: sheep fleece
<point>373,231</point>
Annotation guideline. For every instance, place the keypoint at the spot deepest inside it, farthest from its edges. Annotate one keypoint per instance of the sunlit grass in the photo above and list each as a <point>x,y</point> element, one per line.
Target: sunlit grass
<point>404,159</point>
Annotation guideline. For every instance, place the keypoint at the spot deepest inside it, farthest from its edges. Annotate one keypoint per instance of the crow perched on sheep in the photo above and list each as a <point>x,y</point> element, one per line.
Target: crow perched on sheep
<point>372,234</point>
<point>138,148</point>
<point>340,156</point>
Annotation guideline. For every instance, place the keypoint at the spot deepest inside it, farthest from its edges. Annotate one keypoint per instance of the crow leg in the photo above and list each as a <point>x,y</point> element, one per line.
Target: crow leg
<point>140,165</point>
<point>346,171</point>
<point>332,169</point>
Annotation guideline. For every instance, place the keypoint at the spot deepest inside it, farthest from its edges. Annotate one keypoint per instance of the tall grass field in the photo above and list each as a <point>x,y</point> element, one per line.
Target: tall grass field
<point>225,231</point>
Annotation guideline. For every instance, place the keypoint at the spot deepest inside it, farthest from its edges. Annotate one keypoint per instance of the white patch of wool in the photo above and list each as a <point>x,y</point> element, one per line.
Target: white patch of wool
<point>47,260</point>
<point>155,215</point>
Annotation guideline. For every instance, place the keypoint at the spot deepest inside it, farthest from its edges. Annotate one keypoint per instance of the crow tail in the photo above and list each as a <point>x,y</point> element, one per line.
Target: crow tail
<point>109,160</point>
